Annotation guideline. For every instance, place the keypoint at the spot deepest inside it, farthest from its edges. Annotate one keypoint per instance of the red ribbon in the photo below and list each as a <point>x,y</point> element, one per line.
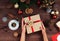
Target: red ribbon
<point>33,22</point>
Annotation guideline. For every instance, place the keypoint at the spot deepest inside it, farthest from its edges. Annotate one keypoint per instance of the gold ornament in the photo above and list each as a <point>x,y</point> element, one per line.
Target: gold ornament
<point>57,12</point>
<point>15,34</point>
<point>29,11</point>
<point>47,4</point>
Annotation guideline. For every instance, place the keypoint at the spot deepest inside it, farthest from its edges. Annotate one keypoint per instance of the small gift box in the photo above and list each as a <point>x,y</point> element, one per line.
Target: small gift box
<point>56,37</point>
<point>33,23</point>
<point>58,24</point>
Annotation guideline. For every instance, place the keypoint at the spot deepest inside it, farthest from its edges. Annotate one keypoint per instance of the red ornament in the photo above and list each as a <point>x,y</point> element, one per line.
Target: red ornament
<point>38,3</point>
<point>54,37</point>
<point>20,12</point>
<point>54,17</point>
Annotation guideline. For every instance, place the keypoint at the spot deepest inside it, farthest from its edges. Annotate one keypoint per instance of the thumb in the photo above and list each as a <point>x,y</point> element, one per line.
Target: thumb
<point>22,22</point>
<point>25,26</point>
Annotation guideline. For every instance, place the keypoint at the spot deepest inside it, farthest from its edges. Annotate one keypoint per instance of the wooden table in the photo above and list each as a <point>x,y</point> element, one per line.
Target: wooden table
<point>7,35</point>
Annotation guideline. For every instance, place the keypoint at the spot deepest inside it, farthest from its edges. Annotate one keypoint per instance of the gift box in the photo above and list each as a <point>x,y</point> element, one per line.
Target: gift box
<point>33,23</point>
<point>56,37</point>
<point>58,24</point>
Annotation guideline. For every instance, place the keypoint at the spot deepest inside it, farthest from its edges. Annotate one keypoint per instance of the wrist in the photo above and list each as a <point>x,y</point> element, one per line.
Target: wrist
<point>23,32</point>
<point>43,32</point>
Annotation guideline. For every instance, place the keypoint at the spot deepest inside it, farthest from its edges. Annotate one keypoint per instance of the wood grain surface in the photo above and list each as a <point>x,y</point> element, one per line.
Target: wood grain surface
<point>7,35</point>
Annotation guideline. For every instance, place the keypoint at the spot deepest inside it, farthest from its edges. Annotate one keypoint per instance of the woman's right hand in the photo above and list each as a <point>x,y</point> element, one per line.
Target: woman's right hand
<point>44,33</point>
<point>43,29</point>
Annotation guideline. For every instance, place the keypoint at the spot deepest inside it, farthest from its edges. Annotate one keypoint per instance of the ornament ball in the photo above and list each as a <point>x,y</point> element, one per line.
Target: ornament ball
<point>15,34</point>
<point>54,17</point>
<point>20,12</point>
<point>16,5</point>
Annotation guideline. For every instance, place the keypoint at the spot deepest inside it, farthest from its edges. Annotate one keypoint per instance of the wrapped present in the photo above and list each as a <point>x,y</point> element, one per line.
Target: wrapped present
<point>56,37</point>
<point>58,24</point>
<point>33,23</point>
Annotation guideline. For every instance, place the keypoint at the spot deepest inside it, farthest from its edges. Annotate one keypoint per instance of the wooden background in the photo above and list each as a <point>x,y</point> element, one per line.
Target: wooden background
<point>7,35</point>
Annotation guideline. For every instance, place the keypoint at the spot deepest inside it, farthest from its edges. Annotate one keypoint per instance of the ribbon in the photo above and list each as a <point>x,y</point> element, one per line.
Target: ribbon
<point>33,22</point>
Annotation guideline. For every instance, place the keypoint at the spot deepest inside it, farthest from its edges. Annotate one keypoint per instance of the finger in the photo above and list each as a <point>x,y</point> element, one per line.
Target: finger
<point>42,26</point>
<point>22,22</point>
<point>25,26</point>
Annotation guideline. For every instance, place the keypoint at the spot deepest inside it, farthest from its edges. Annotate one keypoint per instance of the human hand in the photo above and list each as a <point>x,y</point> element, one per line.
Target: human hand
<point>23,31</point>
<point>43,28</point>
<point>23,26</point>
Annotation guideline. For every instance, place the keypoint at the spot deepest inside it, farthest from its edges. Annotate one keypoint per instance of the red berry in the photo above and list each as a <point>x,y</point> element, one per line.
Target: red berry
<point>55,17</point>
<point>20,12</point>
